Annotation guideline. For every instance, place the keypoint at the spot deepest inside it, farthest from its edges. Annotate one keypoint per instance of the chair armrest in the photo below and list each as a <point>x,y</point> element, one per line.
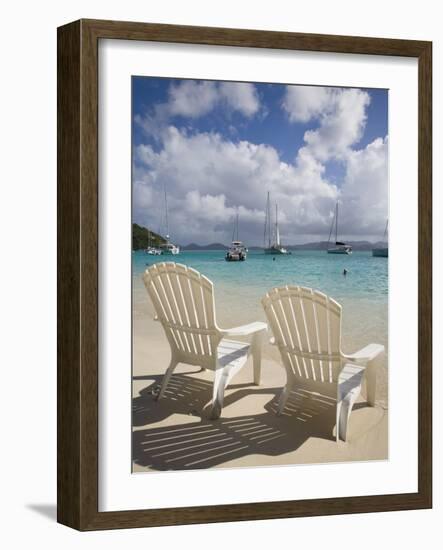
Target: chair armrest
<point>245,330</point>
<point>366,354</point>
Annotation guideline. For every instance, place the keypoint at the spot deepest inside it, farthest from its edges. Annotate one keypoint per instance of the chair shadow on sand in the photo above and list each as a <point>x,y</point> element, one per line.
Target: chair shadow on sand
<point>207,443</point>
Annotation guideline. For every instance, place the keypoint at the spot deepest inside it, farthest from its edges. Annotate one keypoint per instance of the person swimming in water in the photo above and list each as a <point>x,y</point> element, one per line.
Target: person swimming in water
<point>345,272</point>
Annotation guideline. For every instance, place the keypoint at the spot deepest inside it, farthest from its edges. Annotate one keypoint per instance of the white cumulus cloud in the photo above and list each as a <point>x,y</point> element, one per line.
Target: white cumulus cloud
<point>341,125</point>
<point>240,96</point>
<point>364,192</point>
<point>194,99</point>
<point>302,103</point>
<point>191,98</point>
<point>210,178</point>
<point>341,114</point>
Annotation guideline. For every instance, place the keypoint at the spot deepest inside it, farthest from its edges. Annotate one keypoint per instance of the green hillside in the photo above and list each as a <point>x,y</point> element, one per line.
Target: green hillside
<point>142,237</point>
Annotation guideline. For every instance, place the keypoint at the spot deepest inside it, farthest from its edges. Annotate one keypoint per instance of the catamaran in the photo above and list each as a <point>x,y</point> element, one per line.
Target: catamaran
<point>237,251</point>
<point>339,248</point>
<point>382,252</point>
<point>272,243</point>
<point>168,247</point>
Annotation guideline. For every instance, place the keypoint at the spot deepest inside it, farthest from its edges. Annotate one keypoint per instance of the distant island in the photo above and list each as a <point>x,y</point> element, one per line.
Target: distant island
<point>143,237</point>
<point>321,245</point>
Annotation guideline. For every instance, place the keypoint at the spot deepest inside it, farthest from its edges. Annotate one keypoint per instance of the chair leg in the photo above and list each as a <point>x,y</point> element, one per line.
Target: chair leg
<point>221,380</point>
<point>344,409</point>
<point>166,378</point>
<point>256,346</point>
<point>371,379</point>
<point>284,396</point>
<point>337,421</point>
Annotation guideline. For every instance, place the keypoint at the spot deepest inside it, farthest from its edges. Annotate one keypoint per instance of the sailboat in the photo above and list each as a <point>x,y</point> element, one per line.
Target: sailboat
<point>272,244</point>
<point>237,251</point>
<point>152,250</point>
<point>382,252</point>
<point>168,247</point>
<point>339,248</point>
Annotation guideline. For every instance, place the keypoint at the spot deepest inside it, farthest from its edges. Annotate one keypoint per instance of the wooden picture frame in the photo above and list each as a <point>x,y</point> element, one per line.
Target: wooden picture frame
<point>77,480</point>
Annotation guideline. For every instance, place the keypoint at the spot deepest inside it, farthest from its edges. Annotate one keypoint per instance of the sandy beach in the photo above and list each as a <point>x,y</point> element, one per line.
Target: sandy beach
<point>175,433</point>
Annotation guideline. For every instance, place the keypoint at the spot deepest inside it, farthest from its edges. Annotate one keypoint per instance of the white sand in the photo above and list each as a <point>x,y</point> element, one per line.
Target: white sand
<point>175,432</point>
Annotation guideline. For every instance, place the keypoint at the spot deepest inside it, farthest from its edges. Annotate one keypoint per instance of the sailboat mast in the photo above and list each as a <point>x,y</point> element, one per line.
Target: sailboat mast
<point>166,216</point>
<point>269,220</point>
<point>336,221</point>
<point>277,233</point>
<point>386,230</point>
<point>267,232</point>
<point>237,226</point>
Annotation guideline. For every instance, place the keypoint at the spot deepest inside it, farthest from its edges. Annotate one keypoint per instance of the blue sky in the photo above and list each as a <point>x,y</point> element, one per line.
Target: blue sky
<point>217,148</point>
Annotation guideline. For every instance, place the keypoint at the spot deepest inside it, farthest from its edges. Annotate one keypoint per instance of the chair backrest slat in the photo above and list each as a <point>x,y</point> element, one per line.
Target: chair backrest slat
<point>304,329</point>
<point>167,312</point>
<point>320,304</point>
<point>307,328</point>
<point>209,310</point>
<point>199,293</point>
<point>298,365</point>
<point>169,281</point>
<point>184,303</point>
<point>308,309</point>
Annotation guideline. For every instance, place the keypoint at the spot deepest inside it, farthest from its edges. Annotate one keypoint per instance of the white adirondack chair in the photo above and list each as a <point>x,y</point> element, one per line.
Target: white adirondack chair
<point>184,304</point>
<point>306,325</point>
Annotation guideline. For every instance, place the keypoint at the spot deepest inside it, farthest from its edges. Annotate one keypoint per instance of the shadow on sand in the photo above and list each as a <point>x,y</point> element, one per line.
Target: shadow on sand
<point>206,443</point>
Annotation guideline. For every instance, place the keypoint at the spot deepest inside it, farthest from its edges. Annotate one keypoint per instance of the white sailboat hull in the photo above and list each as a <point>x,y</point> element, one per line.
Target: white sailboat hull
<point>153,251</point>
<point>169,250</point>
<point>342,250</point>
<point>340,247</point>
<point>276,247</point>
<point>237,252</point>
<point>276,250</point>
<point>235,257</point>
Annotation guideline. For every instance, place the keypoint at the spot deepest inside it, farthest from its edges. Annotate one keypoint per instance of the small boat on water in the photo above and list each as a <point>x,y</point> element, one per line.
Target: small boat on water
<point>339,247</point>
<point>272,243</point>
<point>382,252</point>
<point>237,251</point>
<point>168,248</point>
<point>152,250</point>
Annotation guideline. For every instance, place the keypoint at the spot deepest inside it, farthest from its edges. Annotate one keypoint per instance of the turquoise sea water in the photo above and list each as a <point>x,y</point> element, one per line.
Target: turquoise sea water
<point>239,286</point>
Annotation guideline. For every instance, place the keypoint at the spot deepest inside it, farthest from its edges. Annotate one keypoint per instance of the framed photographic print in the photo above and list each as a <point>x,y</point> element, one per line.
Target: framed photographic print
<point>244,274</point>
